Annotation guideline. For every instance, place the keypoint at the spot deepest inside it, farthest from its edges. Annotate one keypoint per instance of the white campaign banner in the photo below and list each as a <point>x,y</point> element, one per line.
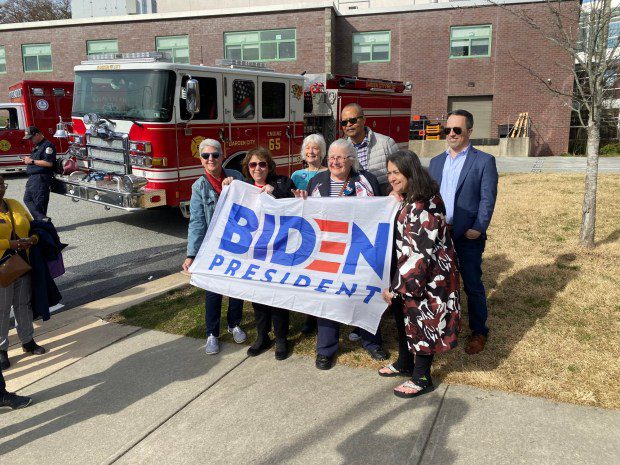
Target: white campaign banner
<point>327,257</point>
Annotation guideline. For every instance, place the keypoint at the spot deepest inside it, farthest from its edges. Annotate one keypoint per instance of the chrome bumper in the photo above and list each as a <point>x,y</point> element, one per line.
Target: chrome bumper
<point>108,195</point>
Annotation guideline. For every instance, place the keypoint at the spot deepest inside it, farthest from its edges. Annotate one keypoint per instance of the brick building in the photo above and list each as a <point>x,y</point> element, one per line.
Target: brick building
<point>461,54</point>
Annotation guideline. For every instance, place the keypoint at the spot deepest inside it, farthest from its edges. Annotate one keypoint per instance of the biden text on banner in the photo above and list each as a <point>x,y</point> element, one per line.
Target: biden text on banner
<point>328,257</point>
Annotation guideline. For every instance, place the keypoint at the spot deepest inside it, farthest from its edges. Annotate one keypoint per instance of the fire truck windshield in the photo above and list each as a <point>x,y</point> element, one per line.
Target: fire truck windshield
<point>145,95</point>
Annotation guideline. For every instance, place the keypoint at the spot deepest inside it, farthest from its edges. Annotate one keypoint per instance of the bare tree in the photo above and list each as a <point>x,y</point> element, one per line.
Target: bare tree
<point>22,11</point>
<point>581,29</point>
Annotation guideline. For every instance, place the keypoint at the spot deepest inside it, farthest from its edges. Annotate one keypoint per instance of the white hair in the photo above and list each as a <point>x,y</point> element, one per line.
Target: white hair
<point>210,143</point>
<point>316,139</point>
<point>347,146</point>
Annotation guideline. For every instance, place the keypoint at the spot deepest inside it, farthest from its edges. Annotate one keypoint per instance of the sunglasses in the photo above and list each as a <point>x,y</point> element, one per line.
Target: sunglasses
<point>344,122</point>
<point>254,164</point>
<point>214,155</point>
<point>457,131</point>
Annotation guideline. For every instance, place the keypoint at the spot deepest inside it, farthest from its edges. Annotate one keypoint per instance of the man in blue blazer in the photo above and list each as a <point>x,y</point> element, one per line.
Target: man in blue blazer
<point>468,184</point>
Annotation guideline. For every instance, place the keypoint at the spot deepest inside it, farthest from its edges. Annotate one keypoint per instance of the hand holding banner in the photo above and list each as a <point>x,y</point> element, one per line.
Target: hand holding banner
<point>327,257</point>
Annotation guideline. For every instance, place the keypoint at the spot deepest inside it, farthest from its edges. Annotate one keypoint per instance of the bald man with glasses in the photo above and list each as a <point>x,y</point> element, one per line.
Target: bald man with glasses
<point>468,185</point>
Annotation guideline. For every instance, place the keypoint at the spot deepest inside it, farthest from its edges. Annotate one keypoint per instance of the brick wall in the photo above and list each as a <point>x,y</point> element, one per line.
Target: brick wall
<point>420,51</point>
<point>419,54</point>
<point>206,41</point>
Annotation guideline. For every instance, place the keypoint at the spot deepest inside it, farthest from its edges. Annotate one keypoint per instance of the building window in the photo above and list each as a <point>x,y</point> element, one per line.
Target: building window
<point>176,46</point>
<point>371,46</point>
<point>94,47</point>
<point>37,57</point>
<point>2,59</point>
<point>470,41</point>
<point>614,32</point>
<point>272,45</point>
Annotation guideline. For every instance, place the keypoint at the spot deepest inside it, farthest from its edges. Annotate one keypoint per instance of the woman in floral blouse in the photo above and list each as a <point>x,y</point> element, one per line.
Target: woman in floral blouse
<point>424,294</point>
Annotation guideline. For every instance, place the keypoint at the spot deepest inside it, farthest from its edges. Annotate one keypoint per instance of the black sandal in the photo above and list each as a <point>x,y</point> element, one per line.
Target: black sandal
<point>421,386</point>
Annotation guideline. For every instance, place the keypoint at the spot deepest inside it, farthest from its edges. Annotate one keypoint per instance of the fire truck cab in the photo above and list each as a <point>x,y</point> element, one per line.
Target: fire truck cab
<point>138,121</point>
<point>32,103</point>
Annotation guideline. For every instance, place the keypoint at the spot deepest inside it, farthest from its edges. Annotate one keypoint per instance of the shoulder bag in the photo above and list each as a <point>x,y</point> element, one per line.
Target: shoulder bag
<point>12,265</point>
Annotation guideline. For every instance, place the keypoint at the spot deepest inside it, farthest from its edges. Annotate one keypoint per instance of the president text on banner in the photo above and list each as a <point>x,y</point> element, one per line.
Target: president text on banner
<point>328,257</point>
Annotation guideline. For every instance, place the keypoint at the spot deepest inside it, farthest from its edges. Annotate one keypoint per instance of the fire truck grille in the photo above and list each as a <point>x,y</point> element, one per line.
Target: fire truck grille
<point>103,154</point>
<point>98,165</point>
<point>108,143</point>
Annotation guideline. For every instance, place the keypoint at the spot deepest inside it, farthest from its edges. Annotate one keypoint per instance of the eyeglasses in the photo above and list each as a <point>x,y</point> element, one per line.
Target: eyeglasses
<point>260,164</point>
<point>336,159</point>
<point>214,155</point>
<point>4,186</point>
<point>457,131</point>
<point>353,120</point>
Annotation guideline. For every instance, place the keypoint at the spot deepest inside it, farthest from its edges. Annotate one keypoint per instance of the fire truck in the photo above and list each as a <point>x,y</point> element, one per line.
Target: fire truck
<point>32,103</point>
<point>138,120</point>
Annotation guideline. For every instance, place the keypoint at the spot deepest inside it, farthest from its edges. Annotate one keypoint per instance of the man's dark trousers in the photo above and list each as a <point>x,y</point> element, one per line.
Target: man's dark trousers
<point>328,333</point>
<point>469,253</point>
<point>37,195</point>
<point>2,384</point>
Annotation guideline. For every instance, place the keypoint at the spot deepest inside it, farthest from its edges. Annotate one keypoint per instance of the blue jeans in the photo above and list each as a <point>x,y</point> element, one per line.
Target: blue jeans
<point>469,253</point>
<point>328,333</point>
<point>213,312</point>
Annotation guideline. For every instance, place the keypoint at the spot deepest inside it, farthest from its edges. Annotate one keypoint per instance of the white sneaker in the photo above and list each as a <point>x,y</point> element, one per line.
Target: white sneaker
<point>213,345</point>
<point>238,334</point>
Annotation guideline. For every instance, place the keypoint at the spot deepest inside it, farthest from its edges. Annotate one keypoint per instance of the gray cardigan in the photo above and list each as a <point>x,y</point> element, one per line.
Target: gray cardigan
<point>379,147</point>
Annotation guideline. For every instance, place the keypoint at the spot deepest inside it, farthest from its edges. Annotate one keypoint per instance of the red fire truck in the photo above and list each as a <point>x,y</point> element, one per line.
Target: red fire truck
<point>32,103</point>
<point>138,120</point>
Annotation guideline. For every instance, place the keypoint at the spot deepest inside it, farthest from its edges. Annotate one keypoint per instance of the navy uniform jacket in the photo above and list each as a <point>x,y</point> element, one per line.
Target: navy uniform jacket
<point>45,150</point>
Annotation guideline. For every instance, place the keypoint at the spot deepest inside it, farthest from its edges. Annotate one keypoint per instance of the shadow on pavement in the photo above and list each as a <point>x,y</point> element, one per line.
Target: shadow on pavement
<point>110,391</point>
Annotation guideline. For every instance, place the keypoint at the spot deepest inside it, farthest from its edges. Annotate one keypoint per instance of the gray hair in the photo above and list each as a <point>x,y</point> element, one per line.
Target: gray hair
<point>316,139</point>
<point>347,146</point>
<point>209,143</point>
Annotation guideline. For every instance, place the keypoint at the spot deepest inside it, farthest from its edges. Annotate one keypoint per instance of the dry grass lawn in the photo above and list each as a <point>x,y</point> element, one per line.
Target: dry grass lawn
<point>554,307</point>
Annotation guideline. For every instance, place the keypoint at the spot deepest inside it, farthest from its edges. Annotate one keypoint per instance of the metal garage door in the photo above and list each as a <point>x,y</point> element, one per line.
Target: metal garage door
<point>480,107</point>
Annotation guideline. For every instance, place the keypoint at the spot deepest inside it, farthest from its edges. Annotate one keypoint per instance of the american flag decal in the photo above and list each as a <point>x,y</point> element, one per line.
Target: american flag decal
<point>243,99</point>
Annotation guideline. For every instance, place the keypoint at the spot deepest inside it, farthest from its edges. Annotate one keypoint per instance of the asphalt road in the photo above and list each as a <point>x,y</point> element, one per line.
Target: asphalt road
<point>110,251</point>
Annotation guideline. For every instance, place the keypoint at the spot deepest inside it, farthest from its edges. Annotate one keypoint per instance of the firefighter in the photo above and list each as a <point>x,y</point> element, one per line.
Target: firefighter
<point>40,169</point>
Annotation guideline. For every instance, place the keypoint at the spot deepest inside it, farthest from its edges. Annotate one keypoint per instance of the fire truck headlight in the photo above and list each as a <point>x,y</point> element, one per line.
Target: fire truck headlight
<point>86,118</point>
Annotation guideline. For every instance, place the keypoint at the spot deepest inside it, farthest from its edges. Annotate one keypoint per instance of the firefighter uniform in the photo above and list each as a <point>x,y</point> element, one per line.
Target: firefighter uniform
<point>40,178</point>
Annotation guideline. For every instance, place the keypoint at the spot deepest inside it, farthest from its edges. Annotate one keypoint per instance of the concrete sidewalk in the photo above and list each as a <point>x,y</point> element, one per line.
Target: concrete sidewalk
<point>107,393</point>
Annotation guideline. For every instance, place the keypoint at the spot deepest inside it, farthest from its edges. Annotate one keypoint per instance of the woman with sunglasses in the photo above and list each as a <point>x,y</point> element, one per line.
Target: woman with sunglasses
<point>259,170</point>
<point>15,238</point>
<point>424,295</point>
<point>312,153</point>
<point>205,194</point>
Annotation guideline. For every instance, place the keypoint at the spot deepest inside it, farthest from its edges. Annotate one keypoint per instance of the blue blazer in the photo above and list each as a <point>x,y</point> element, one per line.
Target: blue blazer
<point>475,192</point>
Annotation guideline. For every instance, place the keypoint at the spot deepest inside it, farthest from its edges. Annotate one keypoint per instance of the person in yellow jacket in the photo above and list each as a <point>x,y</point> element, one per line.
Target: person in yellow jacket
<point>18,293</point>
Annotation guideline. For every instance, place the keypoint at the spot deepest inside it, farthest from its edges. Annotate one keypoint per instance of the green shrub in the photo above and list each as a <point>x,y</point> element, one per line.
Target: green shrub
<point>610,150</point>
